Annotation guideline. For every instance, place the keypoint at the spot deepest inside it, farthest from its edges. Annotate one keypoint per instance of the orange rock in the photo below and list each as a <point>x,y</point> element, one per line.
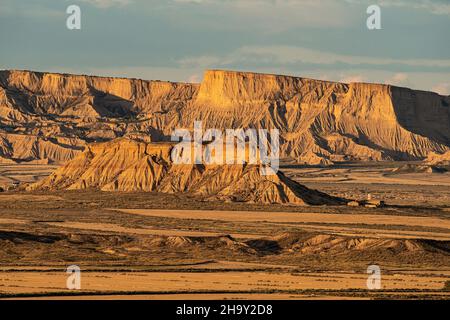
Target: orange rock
<point>319,121</point>
<point>128,165</point>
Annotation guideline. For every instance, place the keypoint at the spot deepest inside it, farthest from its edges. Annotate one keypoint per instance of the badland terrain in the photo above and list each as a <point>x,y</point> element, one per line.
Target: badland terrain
<point>87,180</point>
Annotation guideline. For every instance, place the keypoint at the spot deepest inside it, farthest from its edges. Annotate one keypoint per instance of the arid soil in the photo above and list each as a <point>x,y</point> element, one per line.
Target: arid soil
<point>165,246</point>
<point>85,180</point>
<point>11,174</point>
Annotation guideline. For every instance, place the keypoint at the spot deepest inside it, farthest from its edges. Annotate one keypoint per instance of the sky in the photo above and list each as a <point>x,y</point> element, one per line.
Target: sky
<point>177,40</point>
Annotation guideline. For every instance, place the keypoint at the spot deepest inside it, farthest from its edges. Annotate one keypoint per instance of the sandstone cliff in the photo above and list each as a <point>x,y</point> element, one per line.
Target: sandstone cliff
<point>128,165</point>
<point>320,122</point>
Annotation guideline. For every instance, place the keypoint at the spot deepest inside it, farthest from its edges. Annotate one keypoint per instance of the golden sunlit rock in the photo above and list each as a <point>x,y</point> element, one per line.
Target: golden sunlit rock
<point>320,122</point>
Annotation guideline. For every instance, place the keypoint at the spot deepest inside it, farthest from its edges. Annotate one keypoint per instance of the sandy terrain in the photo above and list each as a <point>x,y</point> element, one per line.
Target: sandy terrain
<point>381,174</point>
<point>200,296</point>
<point>145,231</point>
<point>140,225</point>
<point>380,179</point>
<point>315,221</point>
<point>155,246</point>
<point>11,173</point>
<point>283,217</point>
<point>154,282</point>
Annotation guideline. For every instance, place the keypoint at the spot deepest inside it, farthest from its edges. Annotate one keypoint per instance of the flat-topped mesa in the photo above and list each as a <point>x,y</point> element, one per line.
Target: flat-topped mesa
<point>130,149</point>
<point>127,165</point>
<point>393,122</point>
<point>320,122</point>
<point>232,88</point>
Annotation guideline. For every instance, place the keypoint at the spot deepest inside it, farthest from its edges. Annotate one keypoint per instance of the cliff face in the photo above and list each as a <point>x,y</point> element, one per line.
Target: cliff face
<point>320,122</point>
<point>49,93</point>
<point>57,114</point>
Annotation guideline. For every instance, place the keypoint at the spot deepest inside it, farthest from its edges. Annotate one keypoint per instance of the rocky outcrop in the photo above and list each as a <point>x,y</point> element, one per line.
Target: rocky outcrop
<point>320,122</point>
<point>128,165</point>
<point>438,159</point>
<point>21,147</point>
<point>50,93</point>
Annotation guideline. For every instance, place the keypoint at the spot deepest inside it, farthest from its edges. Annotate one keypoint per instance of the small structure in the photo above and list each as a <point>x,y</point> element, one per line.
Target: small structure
<point>353,204</point>
<point>367,203</point>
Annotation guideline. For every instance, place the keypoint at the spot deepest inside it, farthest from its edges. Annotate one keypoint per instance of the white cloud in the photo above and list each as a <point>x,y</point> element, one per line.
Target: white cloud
<point>283,55</point>
<point>108,3</point>
<point>200,61</point>
<point>190,1</point>
<point>398,79</point>
<point>434,6</point>
<point>34,10</point>
<point>353,78</point>
<point>194,78</point>
<point>442,88</point>
<point>438,7</point>
<point>269,16</point>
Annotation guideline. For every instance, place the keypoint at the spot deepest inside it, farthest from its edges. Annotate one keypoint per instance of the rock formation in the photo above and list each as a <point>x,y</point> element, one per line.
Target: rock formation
<point>39,149</point>
<point>438,159</point>
<point>320,122</point>
<point>129,165</point>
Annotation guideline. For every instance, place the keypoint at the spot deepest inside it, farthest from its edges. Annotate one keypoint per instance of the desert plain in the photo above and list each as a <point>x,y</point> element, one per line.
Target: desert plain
<point>86,179</point>
<point>180,246</point>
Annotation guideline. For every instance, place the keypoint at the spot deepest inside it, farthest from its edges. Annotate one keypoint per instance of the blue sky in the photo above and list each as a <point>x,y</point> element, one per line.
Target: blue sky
<point>178,39</point>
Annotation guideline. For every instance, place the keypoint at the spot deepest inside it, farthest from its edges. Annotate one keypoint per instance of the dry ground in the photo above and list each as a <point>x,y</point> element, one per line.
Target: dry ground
<point>156,246</point>
<point>13,173</point>
<point>356,181</point>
